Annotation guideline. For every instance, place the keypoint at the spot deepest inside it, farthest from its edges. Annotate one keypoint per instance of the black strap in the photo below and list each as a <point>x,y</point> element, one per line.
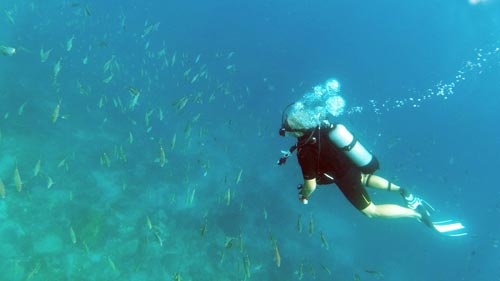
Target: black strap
<point>368,179</point>
<point>351,145</point>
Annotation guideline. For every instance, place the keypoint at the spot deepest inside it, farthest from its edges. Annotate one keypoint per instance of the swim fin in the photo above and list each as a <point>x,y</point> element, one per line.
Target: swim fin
<point>452,228</point>
<point>445,227</point>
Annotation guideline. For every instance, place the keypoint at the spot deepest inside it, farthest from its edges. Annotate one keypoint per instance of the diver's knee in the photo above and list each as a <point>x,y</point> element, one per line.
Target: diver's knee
<point>365,178</point>
<point>370,211</point>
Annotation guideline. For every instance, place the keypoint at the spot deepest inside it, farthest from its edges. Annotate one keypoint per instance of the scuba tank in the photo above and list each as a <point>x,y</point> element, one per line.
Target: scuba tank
<point>343,139</point>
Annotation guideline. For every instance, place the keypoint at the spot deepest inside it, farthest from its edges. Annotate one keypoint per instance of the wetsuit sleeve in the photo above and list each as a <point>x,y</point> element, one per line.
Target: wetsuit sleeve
<point>308,162</point>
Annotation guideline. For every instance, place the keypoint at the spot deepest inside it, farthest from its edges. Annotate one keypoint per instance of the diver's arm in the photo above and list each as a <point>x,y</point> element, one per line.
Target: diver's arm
<point>308,188</point>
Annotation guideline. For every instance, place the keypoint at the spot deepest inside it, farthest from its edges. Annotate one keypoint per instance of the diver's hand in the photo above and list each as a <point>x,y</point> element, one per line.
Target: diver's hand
<point>7,51</point>
<point>302,197</point>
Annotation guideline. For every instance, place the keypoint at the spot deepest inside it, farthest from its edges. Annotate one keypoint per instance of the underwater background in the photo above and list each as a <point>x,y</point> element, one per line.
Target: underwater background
<point>139,139</point>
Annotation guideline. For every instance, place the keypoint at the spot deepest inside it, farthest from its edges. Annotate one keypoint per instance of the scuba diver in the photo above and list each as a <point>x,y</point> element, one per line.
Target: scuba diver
<point>328,153</point>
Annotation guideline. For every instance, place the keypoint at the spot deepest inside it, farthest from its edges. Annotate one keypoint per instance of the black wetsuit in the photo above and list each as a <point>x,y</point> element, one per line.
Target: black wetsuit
<point>320,158</point>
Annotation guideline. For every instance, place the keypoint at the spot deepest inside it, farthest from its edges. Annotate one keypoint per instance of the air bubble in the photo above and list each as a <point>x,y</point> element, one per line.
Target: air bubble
<point>442,89</point>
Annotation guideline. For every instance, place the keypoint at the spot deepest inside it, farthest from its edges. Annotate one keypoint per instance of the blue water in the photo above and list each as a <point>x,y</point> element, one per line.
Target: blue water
<point>118,211</point>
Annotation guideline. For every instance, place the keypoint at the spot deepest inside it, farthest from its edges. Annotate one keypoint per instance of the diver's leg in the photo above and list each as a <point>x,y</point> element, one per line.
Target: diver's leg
<point>419,211</point>
<point>374,181</point>
<point>353,189</point>
<point>389,211</point>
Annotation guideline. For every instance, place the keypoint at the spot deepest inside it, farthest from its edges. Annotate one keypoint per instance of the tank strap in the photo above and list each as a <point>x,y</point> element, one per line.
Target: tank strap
<point>389,184</point>
<point>367,179</point>
<point>351,145</point>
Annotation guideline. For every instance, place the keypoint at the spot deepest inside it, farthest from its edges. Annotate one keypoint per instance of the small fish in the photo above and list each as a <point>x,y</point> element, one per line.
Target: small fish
<point>9,17</point>
<point>246,266</point>
<point>299,223</point>
<point>105,161</point>
<point>112,264</point>
<point>50,182</point>
<point>181,103</point>
<point>197,59</point>
<point>172,61</point>
<point>130,138</point>
<point>277,256</point>
<point>172,143</point>
<point>324,243</point>
<point>37,168</point>
<point>122,154</point>
<point>57,69</point>
<point>160,114</point>
<point>135,97</point>
<point>300,271</point>
<point>147,117</point>
<point>227,197</point>
<point>148,223</point>
<point>150,28</point>
<point>69,43</point>
<point>195,78</point>
<point>229,242</point>
<point>204,228</point>
<point>158,238</point>
<point>187,72</point>
<point>326,269</point>
<point>191,197</point>
<point>101,102</point>
<point>17,180</point>
<point>163,158</point>
<point>108,79</point>
<point>20,111</point>
<point>62,163</point>
<point>55,112</point>
<point>311,226</point>
<point>241,245</point>
<point>72,235</point>
<point>83,90</point>
<point>187,130</point>
<point>108,64</point>
<point>44,55</point>
<point>375,273</point>
<point>162,53</point>
<point>123,20</point>
<point>34,271</point>
<point>86,11</point>
<point>238,178</point>
<point>134,102</point>
<point>3,193</point>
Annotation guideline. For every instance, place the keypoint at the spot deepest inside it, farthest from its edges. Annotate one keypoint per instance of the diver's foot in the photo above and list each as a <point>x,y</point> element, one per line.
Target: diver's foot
<point>415,203</point>
<point>420,206</point>
<point>425,217</point>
